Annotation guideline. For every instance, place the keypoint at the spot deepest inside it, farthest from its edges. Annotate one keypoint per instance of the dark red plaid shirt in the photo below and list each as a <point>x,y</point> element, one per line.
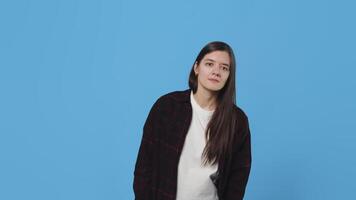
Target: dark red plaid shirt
<point>164,132</point>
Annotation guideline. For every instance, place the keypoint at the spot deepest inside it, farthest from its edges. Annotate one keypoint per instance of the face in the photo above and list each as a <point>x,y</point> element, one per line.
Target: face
<point>213,71</point>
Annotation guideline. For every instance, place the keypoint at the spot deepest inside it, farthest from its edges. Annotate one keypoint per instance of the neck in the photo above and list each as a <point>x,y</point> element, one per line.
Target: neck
<point>206,99</point>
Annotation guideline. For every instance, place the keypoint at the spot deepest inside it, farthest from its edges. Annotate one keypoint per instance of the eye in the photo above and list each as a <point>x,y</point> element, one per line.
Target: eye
<point>209,64</point>
<point>226,69</point>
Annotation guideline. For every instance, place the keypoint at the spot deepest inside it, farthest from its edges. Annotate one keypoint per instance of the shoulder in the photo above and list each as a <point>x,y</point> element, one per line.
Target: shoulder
<point>167,99</point>
<point>178,95</point>
<point>242,120</point>
<point>240,113</point>
<point>171,102</point>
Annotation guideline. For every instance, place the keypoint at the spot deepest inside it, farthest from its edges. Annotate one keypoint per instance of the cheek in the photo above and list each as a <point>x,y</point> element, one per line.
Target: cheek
<point>204,72</point>
<point>226,77</point>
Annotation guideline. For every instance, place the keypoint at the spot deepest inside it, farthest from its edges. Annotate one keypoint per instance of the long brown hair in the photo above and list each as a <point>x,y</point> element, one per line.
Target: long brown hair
<point>220,130</point>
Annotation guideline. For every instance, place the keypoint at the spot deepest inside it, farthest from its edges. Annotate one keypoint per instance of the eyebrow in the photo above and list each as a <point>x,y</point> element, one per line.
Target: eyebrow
<point>208,59</point>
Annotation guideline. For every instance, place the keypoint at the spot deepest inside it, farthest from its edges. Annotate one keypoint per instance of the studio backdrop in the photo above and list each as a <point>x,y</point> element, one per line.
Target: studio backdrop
<point>78,78</point>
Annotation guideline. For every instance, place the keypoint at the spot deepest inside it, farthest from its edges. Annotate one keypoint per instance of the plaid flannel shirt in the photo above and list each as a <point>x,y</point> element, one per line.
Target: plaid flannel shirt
<point>164,132</point>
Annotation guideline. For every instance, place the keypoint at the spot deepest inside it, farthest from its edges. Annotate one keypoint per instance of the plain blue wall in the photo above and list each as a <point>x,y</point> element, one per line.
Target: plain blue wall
<point>77,79</point>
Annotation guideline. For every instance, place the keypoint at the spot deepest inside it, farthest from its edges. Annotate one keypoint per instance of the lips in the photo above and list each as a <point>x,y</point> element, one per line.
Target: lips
<point>214,80</point>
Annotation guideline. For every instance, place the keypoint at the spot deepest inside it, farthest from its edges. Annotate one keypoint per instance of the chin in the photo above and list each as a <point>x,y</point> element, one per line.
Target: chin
<point>214,89</point>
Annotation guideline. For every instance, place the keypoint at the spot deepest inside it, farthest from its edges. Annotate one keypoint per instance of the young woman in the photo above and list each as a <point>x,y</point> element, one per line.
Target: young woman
<point>196,142</point>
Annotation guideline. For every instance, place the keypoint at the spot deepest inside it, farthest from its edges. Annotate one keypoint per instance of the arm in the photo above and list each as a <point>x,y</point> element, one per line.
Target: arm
<point>240,167</point>
<point>143,167</point>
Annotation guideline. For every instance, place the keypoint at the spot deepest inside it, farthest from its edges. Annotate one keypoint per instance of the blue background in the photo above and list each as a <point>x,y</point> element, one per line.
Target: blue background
<point>77,79</point>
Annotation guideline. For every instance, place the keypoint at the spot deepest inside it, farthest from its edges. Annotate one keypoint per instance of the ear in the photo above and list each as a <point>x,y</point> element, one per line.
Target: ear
<point>195,68</point>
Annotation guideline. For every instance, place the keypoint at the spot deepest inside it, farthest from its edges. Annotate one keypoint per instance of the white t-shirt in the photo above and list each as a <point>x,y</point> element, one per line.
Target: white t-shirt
<point>194,182</point>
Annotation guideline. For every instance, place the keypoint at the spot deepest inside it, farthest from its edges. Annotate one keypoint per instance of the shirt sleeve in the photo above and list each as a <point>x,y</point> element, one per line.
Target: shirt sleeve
<point>144,163</point>
<point>240,167</point>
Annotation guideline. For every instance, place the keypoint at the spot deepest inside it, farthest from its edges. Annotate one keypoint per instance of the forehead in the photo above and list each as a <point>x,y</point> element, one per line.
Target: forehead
<point>218,56</point>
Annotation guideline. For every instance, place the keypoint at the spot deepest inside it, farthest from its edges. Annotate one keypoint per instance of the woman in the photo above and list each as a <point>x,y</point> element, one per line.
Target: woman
<point>196,142</point>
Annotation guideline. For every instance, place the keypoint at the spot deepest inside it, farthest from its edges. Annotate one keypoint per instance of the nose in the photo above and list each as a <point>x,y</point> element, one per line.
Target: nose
<point>216,70</point>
